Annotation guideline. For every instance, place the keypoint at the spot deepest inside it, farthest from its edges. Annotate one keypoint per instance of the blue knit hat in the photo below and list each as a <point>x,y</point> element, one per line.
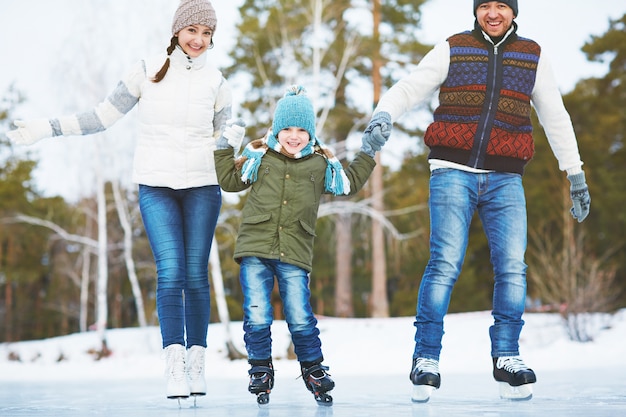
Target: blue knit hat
<point>294,110</point>
<point>511,3</point>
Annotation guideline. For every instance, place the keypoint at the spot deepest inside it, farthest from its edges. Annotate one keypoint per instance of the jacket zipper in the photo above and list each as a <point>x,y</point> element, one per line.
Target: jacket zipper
<point>488,121</point>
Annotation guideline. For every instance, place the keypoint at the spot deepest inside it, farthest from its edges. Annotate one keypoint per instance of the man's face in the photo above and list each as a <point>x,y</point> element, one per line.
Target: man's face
<point>495,18</point>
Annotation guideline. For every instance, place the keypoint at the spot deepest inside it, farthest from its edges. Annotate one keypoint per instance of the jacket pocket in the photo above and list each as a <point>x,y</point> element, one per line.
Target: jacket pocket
<point>259,218</point>
<point>259,185</point>
<point>307,228</point>
<point>315,188</point>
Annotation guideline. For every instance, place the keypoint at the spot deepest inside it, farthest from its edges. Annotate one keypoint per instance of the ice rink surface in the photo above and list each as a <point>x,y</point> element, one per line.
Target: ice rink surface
<point>556,394</point>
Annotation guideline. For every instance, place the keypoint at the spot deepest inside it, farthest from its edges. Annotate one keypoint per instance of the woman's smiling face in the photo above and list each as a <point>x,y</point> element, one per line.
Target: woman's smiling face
<point>195,39</point>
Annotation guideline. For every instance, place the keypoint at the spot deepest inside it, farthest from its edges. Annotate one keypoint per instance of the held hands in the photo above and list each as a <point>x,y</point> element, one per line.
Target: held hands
<point>373,141</point>
<point>29,132</point>
<point>580,196</point>
<point>232,136</point>
<point>376,133</point>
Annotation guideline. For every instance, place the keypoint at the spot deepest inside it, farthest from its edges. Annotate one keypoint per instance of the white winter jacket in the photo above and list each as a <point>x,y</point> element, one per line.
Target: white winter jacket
<point>180,119</point>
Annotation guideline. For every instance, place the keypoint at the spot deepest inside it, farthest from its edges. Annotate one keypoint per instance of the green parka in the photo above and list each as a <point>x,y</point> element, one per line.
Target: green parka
<point>279,216</point>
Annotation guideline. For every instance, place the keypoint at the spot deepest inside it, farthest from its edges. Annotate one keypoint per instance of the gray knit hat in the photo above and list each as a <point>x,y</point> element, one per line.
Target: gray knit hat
<point>194,12</point>
<point>511,3</point>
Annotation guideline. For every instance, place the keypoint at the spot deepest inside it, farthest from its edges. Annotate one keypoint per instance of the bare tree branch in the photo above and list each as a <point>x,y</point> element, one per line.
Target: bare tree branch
<point>70,237</point>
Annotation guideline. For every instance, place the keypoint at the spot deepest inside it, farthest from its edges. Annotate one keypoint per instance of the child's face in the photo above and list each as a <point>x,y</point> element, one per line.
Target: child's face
<point>195,39</point>
<point>293,139</point>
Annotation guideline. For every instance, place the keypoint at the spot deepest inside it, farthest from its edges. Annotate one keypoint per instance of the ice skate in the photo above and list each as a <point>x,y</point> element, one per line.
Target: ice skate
<point>318,381</point>
<point>195,371</point>
<point>514,377</point>
<point>261,381</point>
<point>176,372</point>
<point>425,378</point>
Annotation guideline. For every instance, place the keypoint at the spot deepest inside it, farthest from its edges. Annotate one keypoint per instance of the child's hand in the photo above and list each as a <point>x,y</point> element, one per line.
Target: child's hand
<point>373,141</point>
<point>30,132</point>
<point>232,136</point>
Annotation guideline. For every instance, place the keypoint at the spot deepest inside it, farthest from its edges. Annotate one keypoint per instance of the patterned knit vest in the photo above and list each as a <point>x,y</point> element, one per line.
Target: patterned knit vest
<point>483,118</point>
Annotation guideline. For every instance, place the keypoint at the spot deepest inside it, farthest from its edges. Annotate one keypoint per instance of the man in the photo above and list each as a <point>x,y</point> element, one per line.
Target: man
<point>480,141</point>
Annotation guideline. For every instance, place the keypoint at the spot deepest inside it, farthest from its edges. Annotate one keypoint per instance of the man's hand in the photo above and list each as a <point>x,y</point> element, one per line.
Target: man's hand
<point>579,193</point>
<point>373,141</point>
<point>383,120</point>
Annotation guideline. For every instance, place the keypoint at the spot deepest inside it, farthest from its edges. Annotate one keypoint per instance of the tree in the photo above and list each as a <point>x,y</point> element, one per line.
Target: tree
<point>125,221</point>
<point>16,193</point>
<point>598,106</point>
<point>578,268</point>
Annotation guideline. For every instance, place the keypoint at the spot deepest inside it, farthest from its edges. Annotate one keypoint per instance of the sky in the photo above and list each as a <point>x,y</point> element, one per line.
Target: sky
<point>53,41</point>
<point>369,360</point>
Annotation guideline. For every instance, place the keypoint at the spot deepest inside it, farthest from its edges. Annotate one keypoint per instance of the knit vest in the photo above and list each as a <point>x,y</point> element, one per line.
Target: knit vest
<point>483,117</point>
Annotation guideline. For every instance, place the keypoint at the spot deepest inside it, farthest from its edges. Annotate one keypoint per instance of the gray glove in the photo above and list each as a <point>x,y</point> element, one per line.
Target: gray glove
<point>232,136</point>
<point>29,132</point>
<point>373,141</point>
<point>376,133</point>
<point>383,120</point>
<point>580,196</point>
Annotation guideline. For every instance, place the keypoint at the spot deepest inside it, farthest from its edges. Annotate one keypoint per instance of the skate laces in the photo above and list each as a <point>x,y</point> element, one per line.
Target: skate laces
<point>196,361</point>
<point>175,360</point>
<point>511,364</point>
<point>427,365</point>
<point>316,372</point>
<point>260,371</point>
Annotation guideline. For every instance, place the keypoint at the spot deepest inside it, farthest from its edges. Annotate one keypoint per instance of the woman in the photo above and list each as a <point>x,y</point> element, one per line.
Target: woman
<point>183,104</point>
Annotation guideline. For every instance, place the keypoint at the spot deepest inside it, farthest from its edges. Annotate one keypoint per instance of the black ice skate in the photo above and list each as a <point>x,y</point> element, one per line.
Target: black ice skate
<point>425,378</point>
<point>261,380</point>
<point>514,377</point>
<point>318,381</point>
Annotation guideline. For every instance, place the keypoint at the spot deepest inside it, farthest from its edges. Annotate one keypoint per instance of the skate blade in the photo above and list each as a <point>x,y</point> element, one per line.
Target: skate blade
<point>195,396</point>
<point>178,398</point>
<point>323,399</point>
<point>263,399</point>
<point>521,393</point>
<point>421,393</point>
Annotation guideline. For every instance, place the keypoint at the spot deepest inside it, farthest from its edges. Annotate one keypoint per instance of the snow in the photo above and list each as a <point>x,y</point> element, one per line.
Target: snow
<point>368,358</point>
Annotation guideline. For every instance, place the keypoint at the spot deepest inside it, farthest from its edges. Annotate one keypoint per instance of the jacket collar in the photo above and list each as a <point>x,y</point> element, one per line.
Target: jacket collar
<point>509,36</point>
<point>180,58</point>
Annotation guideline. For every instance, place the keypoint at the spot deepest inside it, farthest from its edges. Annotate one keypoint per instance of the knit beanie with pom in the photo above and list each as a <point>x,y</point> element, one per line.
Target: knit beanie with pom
<point>194,12</point>
<point>294,110</point>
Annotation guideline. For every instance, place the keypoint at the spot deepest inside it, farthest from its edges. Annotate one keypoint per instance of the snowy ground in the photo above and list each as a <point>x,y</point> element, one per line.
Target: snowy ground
<point>369,360</point>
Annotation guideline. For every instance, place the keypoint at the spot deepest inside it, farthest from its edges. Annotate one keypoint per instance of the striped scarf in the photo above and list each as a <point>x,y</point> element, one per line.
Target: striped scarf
<point>336,182</point>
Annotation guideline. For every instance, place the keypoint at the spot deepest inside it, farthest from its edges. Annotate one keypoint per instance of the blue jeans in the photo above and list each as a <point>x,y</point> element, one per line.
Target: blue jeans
<point>257,281</point>
<point>180,225</point>
<point>454,197</point>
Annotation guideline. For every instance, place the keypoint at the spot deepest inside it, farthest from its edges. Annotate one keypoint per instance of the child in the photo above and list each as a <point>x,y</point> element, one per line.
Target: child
<point>287,172</point>
<point>183,104</point>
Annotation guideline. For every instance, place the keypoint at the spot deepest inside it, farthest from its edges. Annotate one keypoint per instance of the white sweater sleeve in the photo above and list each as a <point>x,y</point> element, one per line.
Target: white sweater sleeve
<point>420,85</point>
<point>119,102</point>
<point>547,100</point>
